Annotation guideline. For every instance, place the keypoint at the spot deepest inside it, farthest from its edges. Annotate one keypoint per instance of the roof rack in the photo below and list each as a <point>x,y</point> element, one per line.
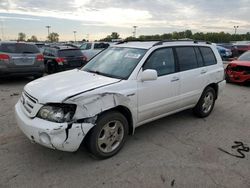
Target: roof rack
<point>194,41</point>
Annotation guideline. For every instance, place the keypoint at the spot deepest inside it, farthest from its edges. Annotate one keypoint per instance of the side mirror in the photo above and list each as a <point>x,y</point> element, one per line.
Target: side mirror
<point>149,75</point>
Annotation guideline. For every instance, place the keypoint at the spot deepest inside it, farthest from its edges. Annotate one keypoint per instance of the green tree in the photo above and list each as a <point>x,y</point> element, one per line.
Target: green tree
<point>114,35</point>
<point>21,36</point>
<point>33,38</point>
<point>53,37</point>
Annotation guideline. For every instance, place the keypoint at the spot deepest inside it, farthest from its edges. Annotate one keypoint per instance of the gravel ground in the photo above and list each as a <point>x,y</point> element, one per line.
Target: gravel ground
<point>176,151</point>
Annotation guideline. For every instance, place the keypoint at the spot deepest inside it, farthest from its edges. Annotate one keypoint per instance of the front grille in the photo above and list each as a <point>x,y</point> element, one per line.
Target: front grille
<point>28,102</point>
<point>244,69</point>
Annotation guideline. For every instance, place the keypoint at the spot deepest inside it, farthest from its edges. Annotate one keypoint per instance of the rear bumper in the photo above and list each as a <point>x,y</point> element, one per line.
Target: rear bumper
<point>60,136</point>
<point>21,71</point>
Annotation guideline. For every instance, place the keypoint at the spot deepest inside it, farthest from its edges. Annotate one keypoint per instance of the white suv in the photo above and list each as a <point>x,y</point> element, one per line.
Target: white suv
<point>123,87</point>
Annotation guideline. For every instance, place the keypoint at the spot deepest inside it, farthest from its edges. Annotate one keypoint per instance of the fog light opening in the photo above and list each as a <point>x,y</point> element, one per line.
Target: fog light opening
<point>45,138</point>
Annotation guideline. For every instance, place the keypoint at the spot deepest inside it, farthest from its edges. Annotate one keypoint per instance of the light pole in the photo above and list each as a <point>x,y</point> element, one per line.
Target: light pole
<point>48,27</point>
<point>134,32</point>
<point>2,27</point>
<point>235,29</point>
<point>74,35</point>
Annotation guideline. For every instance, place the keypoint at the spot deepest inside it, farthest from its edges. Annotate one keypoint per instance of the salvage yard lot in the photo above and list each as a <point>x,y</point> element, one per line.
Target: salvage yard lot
<point>176,151</point>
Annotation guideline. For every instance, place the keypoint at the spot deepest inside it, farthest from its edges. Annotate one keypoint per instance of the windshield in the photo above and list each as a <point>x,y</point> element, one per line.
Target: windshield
<point>115,62</point>
<point>245,56</point>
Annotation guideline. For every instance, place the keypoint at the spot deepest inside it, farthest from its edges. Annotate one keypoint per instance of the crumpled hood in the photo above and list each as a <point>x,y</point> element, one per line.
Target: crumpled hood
<point>58,87</point>
<point>241,63</point>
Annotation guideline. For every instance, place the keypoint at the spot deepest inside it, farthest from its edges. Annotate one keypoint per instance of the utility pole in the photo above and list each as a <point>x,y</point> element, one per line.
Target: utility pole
<point>74,35</point>
<point>48,27</point>
<point>134,32</point>
<point>2,32</point>
<point>235,29</point>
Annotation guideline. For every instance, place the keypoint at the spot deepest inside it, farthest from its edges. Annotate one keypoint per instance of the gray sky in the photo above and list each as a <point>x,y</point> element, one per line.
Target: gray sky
<point>99,18</point>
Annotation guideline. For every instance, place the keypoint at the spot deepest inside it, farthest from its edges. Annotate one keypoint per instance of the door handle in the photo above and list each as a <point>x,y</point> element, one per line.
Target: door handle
<point>174,79</point>
<point>203,72</point>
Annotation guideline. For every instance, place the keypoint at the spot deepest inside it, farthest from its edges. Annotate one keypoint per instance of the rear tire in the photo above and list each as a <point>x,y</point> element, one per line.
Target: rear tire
<point>206,103</point>
<point>108,136</point>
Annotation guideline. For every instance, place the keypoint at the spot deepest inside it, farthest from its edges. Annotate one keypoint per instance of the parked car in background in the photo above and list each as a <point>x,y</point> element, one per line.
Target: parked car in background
<point>90,49</point>
<point>20,59</point>
<point>242,48</point>
<point>61,58</point>
<point>120,89</point>
<point>238,71</point>
<point>231,47</point>
<point>224,52</point>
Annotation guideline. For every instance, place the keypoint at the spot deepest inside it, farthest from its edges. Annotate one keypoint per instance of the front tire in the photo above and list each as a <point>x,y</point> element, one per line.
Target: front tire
<point>108,136</point>
<point>206,103</point>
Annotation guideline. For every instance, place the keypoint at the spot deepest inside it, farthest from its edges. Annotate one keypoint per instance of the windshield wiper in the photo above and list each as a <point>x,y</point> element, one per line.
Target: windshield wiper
<point>103,74</point>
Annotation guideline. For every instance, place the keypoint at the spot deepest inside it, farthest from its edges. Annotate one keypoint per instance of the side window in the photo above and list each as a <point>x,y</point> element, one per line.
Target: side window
<point>45,52</point>
<point>208,56</point>
<point>85,46</point>
<point>162,61</point>
<point>187,58</point>
<point>199,57</point>
<point>100,46</point>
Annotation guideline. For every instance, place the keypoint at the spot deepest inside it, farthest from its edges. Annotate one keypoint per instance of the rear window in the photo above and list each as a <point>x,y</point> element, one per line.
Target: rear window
<point>70,52</point>
<point>19,48</point>
<point>186,58</point>
<point>208,56</point>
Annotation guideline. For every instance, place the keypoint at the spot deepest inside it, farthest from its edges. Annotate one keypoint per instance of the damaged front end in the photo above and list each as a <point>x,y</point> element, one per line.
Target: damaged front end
<point>238,73</point>
<point>63,126</point>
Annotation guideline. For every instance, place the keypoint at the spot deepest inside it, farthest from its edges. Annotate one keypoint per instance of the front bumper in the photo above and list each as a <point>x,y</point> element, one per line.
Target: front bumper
<point>238,77</point>
<point>60,136</point>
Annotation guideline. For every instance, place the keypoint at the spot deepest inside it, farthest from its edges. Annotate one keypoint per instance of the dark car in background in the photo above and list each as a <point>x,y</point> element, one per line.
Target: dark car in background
<point>61,58</point>
<point>224,52</point>
<point>20,59</point>
<point>233,48</point>
<point>238,71</point>
<point>242,48</point>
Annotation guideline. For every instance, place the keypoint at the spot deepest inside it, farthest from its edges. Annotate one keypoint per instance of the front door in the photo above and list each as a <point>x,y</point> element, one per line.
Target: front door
<point>161,96</point>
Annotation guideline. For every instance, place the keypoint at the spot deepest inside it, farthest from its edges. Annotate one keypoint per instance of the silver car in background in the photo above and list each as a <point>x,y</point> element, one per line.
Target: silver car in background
<point>20,59</point>
<point>90,49</point>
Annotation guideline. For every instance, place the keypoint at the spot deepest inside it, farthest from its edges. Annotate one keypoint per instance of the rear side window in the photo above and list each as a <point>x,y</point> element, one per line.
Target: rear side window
<point>186,58</point>
<point>70,52</point>
<point>19,48</point>
<point>208,56</point>
<point>199,57</point>
<point>162,61</point>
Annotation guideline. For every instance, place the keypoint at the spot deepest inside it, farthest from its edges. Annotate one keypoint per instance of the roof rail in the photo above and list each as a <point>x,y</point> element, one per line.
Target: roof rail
<point>194,41</point>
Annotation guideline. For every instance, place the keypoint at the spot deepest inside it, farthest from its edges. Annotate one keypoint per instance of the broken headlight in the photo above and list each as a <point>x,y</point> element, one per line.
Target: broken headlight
<point>58,113</point>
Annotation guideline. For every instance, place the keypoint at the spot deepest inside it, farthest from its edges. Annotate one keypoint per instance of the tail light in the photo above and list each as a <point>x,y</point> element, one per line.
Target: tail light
<point>60,60</point>
<point>4,57</point>
<point>40,58</point>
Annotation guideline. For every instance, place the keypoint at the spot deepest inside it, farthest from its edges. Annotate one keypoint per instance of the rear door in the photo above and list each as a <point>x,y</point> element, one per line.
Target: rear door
<point>21,54</point>
<point>192,74</point>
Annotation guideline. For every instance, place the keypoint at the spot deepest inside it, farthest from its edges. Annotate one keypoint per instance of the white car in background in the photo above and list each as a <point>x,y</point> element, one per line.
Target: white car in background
<point>90,49</point>
<point>123,87</point>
